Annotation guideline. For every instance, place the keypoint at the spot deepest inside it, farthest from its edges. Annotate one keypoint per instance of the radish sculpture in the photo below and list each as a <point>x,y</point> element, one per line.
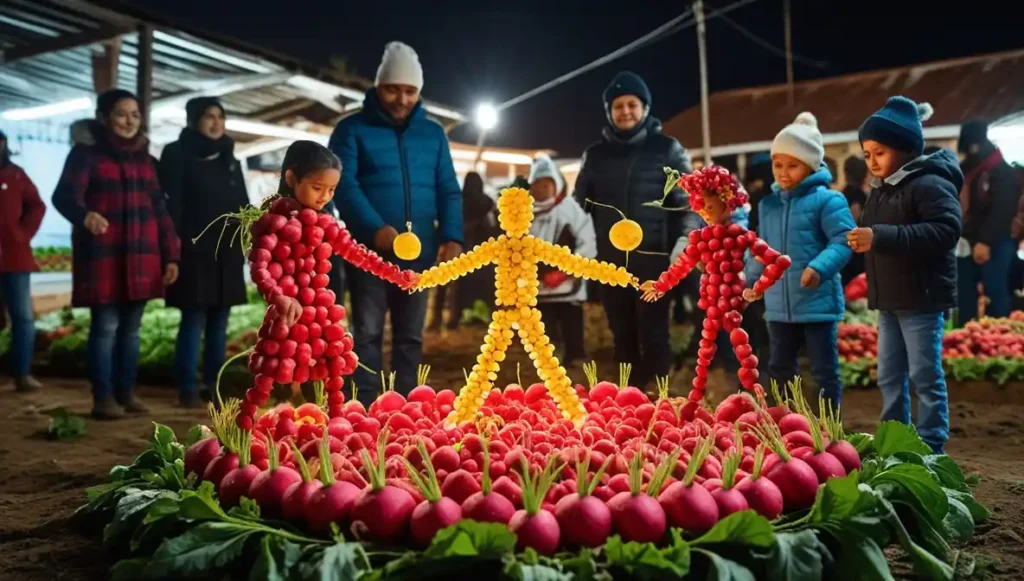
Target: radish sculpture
<point>718,250</point>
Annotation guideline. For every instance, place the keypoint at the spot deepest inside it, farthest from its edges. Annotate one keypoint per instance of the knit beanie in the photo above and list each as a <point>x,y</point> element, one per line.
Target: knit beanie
<point>107,100</point>
<point>195,108</point>
<point>972,133</point>
<point>898,125</point>
<point>627,83</point>
<point>801,140</point>
<point>544,167</point>
<point>400,66</point>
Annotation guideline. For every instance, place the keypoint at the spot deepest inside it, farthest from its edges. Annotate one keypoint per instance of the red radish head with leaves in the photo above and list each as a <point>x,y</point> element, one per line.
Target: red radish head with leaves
<point>332,503</point>
<point>637,514</point>
<point>296,497</point>
<point>689,507</point>
<point>436,511</point>
<point>534,526</point>
<point>269,487</point>
<point>585,520</point>
<point>487,505</point>
<point>381,513</point>
<point>761,494</point>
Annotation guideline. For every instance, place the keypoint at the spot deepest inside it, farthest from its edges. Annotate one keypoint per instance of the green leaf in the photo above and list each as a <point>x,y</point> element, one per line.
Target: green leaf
<point>247,509</point>
<point>916,486</point>
<point>195,433</point>
<point>837,499</point>
<point>893,436</point>
<point>582,565</point>
<point>725,569</point>
<point>946,469</point>
<point>165,444</point>
<point>958,525</point>
<point>864,443</point>
<point>276,560</point>
<point>129,569</point>
<point>978,512</point>
<point>641,560</point>
<point>471,539</point>
<point>521,571</point>
<point>859,557</point>
<point>130,511</point>
<point>338,562</point>
<point>925,563</point>
<point>201,504</point>
<point>64,425</point>
<point>799,555</point>
<point>211,545</point>
<point>744,527</point>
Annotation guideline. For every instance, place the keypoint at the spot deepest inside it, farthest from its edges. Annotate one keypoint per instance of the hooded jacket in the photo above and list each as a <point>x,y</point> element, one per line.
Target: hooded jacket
<point>914,215</point>
<point>562,221</point>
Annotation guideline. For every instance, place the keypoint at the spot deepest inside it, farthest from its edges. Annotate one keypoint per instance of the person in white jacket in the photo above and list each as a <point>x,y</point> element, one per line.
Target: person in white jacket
<point>558,218</point>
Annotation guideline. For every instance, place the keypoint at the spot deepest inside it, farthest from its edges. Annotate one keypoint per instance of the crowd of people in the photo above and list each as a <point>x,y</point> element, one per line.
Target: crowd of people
<point>925,227</point>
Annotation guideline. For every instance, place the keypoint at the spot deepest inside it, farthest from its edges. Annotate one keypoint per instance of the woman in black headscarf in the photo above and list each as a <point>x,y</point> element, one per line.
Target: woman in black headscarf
<point>203,180</point>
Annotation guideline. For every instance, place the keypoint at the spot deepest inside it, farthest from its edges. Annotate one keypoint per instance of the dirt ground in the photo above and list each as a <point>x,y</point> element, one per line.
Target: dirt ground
<point>43,481</point>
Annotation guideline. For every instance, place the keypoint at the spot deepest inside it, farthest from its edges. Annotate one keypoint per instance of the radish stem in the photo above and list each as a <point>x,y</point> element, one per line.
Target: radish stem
<point>301,462</point>
<point>590,369</point>
<point>662,472</point>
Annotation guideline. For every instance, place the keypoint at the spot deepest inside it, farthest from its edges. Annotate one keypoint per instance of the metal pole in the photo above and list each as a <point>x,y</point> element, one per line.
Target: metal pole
<point>705,120</point>
<point>479,147</point>
<point>144,72</point>
<point>789,53</point>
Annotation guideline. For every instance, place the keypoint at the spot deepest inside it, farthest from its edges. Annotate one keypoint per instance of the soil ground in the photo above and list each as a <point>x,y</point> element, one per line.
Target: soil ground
<point>43,481</point>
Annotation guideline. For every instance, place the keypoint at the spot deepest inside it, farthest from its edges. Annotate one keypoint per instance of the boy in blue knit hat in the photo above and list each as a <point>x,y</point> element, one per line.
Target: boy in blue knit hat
<point>909,230</point>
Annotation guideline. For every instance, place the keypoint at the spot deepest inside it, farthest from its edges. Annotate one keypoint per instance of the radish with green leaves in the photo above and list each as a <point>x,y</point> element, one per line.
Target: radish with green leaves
<point>435,512</point>
<point>269,486</point>
<point>839,447</point>
<point>535,527</point>
<point>795,478</point>
<point>689,507</point>
<point>296,497</point>
<point>487,505</point>
<point>761,494</point>
<point>824,464</point>
<point>728,499</point>
<point>381,512</point>
<point>585,520</point>
<point>332,503</point>
<point>200,455</point>
<point>637,515</point>
<point>236,483</point>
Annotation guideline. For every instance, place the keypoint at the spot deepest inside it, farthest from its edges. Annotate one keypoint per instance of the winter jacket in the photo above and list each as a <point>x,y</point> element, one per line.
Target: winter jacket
<point>626,174</point>
<point>396,173</point>
<point>914,215</point>
<point>21,213</point>
<point>201,188</point>
<point>563,222</point>
<point>809,224</point>
<point>992,194</point>
<point>126,263</point>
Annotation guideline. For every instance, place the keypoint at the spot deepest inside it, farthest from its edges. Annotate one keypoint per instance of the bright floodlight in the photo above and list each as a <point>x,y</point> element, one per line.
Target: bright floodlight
<point>486,117</point>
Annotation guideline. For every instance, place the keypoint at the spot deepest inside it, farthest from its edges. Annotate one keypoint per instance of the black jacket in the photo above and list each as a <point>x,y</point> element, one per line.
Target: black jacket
<point>199,190</point>
<point>626,174</point>
<point>993,199</point>
<point>915,217</point>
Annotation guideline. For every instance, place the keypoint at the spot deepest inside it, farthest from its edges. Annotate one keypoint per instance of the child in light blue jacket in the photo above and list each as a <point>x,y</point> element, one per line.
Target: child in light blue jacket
<point>806,220</point>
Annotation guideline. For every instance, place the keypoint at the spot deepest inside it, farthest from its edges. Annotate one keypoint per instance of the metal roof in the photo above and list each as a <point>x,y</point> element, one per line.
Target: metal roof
<point>47,49</point>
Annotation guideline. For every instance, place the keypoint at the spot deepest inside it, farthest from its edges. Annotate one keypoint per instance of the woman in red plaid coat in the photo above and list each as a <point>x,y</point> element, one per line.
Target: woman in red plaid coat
<point>125,250</point>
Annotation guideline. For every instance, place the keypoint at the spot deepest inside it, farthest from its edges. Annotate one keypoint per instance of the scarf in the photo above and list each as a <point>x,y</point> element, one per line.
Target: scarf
<point>546,206</point>
<point>987,164</point>
<point>202,146</point>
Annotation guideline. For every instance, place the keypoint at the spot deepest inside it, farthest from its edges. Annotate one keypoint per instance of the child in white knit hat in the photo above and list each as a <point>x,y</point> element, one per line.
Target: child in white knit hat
<point>805,219</point>
<point>558,218</point>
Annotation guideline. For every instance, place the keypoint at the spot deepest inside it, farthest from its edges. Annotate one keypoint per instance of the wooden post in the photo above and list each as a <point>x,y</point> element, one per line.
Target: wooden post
<point>705,120</point>
<point>144,85</point>
<point>789,54</point>
<point>105,66</point>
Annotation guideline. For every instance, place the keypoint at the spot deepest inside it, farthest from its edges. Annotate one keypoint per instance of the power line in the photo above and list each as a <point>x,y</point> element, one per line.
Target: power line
<point>770,47</point>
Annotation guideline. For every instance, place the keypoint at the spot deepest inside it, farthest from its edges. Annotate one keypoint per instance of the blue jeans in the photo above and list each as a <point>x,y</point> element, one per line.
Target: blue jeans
<point>113,348</point>
<point>821,340</point>
<point>372,299</point>
<point>993,275</point>
<point>214,322</point>
<point>910,347</point>
<point>17,294</point>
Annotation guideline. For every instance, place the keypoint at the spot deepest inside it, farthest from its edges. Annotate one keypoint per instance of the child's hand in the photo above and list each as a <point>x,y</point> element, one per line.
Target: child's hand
<point>750,295</point>
<point>288,310</point>
<point>650,295</point>
<point>860,239</point>
<point>410,281</point>
<point>810,278</point>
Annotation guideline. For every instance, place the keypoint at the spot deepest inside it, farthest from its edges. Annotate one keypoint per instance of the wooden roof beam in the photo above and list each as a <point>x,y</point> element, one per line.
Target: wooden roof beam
<point>99,35</point>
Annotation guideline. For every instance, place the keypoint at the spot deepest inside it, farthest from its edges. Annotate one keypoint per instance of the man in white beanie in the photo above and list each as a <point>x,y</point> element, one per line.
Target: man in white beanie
<point>805,219</point>
<point>559,219</point>
<point>397,174</point>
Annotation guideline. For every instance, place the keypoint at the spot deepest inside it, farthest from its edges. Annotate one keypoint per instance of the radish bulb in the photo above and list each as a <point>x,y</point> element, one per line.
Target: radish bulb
<point>435,512</point>
<point>269,486</point>
<point>422,392</point>
<point>839,446</point>
<point>333,502</point>
<point>534,526</point>
<point>689,507</point>
<point>637,514</point>
<point>236,483</point>
<point>584,519</point>
<point>761,494</point>
<point>795,478</point>
<point>296,497</point>
<point>381,512</point>
<point>824,464</point>
<point>199,455</point>
<point>728,499</point>
<point>487,506</point>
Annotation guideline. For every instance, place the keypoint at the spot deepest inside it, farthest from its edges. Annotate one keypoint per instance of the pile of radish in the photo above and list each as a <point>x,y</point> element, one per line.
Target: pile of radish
<point>395,474</point>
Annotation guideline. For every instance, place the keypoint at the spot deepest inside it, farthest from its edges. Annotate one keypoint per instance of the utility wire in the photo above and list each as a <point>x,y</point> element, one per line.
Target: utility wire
<point>770,47</point>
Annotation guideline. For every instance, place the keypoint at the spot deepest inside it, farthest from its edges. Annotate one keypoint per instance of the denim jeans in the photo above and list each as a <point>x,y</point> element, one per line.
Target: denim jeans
<point>211,324</point>
<point>113,348</point>
<point>822,345</point>
<point>372,299</point>
<point>910,347</point>
<point>17,294</point>
<point>993,275</point>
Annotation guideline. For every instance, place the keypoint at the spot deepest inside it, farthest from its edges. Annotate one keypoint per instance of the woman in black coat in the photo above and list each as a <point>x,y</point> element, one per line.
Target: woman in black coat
<point>203,181</point>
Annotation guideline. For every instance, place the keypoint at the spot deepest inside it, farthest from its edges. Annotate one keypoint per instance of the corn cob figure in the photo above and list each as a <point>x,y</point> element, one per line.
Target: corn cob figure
<point>516,254</point>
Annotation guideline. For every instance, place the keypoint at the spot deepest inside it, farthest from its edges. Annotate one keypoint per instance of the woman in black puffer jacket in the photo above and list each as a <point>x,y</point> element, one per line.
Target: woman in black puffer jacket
<point>626,170</point>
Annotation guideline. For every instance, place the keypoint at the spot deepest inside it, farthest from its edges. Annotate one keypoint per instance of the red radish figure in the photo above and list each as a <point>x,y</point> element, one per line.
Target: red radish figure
<point>585,520</point>
<point>719,247</point>
<point>487,505</point>
<point>689,507</point>
<point>435,512</point>
<point>637,514</point>
<point>534,526</point>
<point>761,494</point>
<point>333,502</point>
<point>269,487</point>
<point>296,497</point>
<point>381,512</point>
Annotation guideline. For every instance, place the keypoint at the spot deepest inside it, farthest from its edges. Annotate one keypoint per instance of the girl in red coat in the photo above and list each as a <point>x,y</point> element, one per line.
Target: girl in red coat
<point>124,247</point>
<point>21,212</point>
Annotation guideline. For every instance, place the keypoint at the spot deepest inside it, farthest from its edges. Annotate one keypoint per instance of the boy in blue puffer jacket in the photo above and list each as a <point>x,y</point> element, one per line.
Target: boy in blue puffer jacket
<point>806,220</point>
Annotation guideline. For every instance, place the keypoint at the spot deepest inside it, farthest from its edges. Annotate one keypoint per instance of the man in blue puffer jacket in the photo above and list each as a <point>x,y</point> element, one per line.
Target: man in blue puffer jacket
<point>397,173</point>
<point>804,218</point>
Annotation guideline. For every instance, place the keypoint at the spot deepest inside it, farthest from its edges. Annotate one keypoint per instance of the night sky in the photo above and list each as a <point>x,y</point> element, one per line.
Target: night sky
<point>472,54</point>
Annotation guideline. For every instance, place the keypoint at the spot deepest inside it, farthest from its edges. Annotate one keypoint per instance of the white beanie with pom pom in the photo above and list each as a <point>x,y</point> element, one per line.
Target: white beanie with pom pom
<point>801,140</point>
<point>400,66</point>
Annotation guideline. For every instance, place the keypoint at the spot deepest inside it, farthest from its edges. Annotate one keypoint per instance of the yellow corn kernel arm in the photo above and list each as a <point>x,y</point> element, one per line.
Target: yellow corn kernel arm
<point>562,258</point>
<point>460,266</point>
